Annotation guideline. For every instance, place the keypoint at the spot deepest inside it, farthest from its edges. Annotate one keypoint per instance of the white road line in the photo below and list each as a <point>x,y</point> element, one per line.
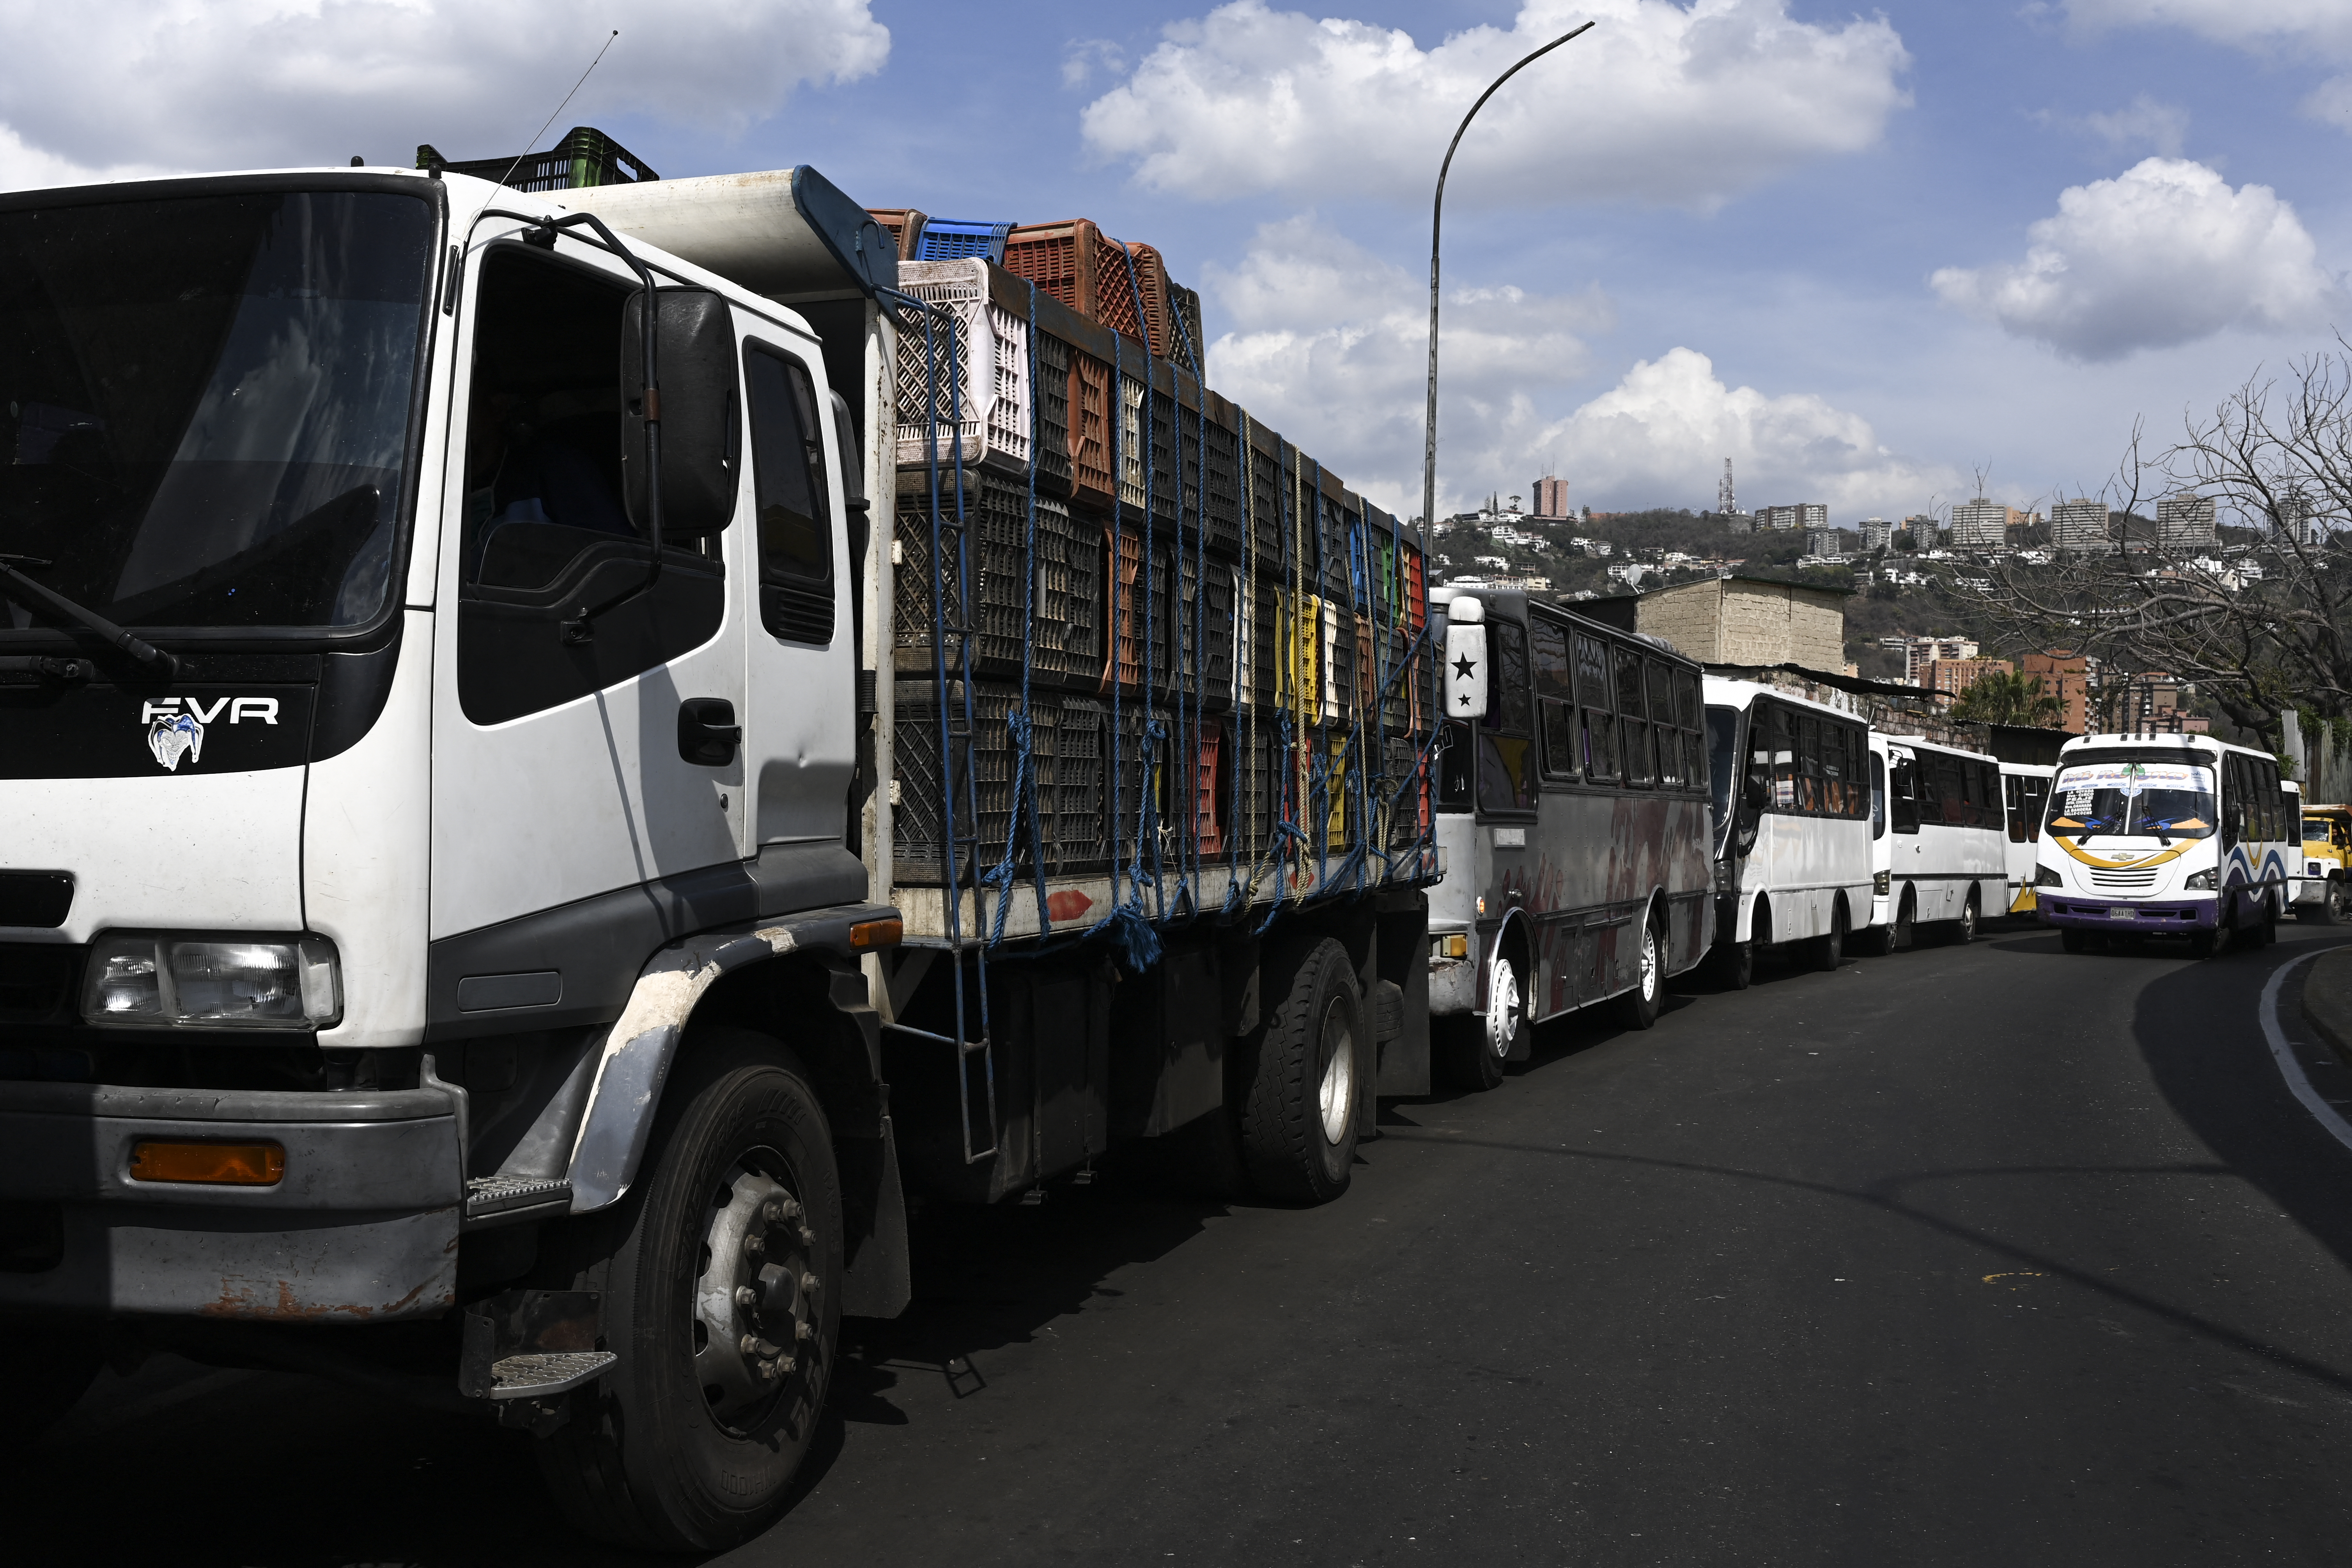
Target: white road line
<point>2282,1052</point>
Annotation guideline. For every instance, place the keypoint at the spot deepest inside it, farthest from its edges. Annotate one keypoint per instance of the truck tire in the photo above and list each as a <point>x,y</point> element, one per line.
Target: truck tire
<point>1639,1007</point>
<point>2329,910</point>
<point>45,1366</point>
<point>1299,1117</point>
<point>722,1297</point>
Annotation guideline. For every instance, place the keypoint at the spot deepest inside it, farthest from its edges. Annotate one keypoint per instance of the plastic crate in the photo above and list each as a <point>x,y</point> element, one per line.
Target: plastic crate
<point>1070,800</point>
<point>1339,803</point>
<point>1191,622</point>
<point>983,771</point>
<point>1257,651</point>
<point>1396,700</point>
<point>1081,267</point>
<point>1050,387</point>
<point>1090,476</point>
<point>1121,619</point>
<point>954,239</point>
<point>1187,324</point>
<point>1368,671</point>
<point>998,602</point>
<point>1409,578</point>
<point>1339,663</point>
<point>1066,638</point>
<point>1208,824</point>
<point>1344,571</point>
<point>988,345</point>
<point>585,157</point>
<point>903,224</point>
<point>1298,682</point>
<point>1171,460</point>
<point>1405,795</point>
<point>1220,460</point>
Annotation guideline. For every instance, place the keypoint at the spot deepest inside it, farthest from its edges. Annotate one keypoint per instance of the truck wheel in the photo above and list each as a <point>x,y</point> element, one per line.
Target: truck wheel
<point>2328,910</point>
<point>1298,1119</point>
<point>722,1298</point>
<point>1639,1007</point>
<point>45,1366</point>
<point>1826,952</point>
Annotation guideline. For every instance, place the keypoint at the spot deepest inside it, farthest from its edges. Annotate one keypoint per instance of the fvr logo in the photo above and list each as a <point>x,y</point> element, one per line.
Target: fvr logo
<point>173,732</point>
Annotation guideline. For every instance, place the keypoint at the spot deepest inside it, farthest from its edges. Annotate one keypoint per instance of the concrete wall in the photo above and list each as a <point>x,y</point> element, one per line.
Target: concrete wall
<point>1728,620</point>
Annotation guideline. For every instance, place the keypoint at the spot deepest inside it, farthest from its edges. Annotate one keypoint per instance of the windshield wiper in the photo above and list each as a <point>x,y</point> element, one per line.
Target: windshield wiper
<point>25,591</point>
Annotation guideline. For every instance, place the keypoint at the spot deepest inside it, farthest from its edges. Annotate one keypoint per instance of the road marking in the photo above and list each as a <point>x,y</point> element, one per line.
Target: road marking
<point>2284,1053</point>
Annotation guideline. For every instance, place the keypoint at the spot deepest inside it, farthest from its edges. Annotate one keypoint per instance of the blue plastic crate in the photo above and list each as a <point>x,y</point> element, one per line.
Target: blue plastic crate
<point>946,240</point>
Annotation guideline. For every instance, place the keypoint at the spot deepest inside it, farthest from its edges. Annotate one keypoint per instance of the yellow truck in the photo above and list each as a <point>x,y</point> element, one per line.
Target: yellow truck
<point>2324,894</point>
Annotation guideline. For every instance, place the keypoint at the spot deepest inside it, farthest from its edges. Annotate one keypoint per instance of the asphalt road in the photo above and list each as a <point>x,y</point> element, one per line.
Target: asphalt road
<point>1972,1256</point>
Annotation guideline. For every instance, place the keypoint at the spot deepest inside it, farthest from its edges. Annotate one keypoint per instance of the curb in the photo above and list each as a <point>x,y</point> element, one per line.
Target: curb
<point>2328,1001</point>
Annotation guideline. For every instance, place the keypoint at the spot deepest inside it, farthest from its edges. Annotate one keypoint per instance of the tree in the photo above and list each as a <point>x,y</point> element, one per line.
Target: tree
<point>2004,697</point>
<point>2275,455</point>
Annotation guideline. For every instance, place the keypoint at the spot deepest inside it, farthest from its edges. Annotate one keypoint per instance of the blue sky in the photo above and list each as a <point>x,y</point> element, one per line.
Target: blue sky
<point>1862,253</point>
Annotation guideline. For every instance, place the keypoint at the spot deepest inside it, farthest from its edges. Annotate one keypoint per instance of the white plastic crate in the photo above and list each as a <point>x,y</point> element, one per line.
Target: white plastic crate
<point>993,345</point>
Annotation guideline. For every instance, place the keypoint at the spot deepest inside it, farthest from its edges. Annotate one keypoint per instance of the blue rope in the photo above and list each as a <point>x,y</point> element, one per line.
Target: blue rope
<point>1020,724</point>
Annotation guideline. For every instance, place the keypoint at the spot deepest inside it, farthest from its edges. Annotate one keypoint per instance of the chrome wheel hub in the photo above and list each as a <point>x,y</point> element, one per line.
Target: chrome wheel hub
<point>1649,964</point>
<point>1503,1011</point>
<point>1337,1097</point>
<point>755,1301</point>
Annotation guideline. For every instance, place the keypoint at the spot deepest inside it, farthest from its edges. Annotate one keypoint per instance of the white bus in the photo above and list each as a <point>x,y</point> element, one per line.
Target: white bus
<point>2025,801</point>
<point>1945,855</point>
<point>1789,786</point>
<point>2165,835</point>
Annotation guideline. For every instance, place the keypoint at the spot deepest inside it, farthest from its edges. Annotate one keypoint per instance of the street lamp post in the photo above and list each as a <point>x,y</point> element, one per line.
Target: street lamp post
<point>1436,218</point>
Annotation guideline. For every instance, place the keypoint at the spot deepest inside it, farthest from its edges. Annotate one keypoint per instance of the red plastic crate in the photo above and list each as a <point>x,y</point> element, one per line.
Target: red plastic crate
<point>1127,633</point>
<point>1208,804</point>
<point>1086,269</point>
<point>903,224</point>
<point>1089,432</point>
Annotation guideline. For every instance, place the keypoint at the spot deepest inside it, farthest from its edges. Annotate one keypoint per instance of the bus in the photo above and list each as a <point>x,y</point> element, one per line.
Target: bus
<point>2025,799</point>
<point>2165,835</point>
<point>1571,818</point>
<point>1946,858</point>
<point>1791,817</point>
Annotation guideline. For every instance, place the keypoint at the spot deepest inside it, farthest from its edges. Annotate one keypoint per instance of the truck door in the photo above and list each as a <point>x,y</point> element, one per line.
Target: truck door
<point>798,740</point>
<point>560,766</point>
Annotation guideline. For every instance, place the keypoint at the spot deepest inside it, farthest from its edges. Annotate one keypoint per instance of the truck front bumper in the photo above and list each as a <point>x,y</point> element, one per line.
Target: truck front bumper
<point>362,1227</point>
<point>2069,910</point>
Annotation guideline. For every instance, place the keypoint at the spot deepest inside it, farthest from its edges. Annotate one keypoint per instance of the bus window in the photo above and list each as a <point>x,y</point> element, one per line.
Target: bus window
<point>1836,770</point>
<point>1809,792</point>
<point>1507,745</point>
<point>1593,708</point>
<point>2012,792</point>
<point>1662,732</point>
<point>2274,799</point>
<point>1877,795</point>
<point>2037,796</point>
<point>1777,748</point>
<point>1694,744</point>
<point>1903,801</point>
<point>1952,808</point>
<point>1723,758</point>
<point>1635,753</point>
<point>1555,697</point>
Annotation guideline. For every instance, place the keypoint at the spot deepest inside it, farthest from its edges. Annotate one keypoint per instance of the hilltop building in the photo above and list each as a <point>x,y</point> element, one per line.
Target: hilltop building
<point>1551,496</point>
<point>2082,523</point>
<point>2184,522</point>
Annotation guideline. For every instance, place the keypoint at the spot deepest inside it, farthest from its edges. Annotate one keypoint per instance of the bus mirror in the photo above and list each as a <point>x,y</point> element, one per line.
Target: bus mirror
<point>1465,670</point>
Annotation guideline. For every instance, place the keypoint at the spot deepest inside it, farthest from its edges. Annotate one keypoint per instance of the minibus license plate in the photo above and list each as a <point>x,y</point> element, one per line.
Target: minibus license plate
<point>2115,914</point>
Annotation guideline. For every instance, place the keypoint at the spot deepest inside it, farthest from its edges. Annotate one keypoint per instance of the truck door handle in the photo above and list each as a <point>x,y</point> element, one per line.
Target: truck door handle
<point>707,731</point>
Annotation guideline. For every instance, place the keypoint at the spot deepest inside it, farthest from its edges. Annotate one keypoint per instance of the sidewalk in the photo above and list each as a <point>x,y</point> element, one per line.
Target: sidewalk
<point>2328,1000</point>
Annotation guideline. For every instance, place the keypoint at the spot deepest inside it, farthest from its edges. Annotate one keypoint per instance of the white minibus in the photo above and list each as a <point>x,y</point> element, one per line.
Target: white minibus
<point>1789,786</point>
<point>1945,856</point>
<point>2165,835</point>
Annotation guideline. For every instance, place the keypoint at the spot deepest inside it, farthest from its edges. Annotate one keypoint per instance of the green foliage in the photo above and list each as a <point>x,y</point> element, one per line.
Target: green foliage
<point>2004,697</point>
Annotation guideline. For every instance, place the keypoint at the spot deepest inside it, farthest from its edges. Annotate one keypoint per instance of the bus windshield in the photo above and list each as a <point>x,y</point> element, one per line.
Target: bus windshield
<point>1723,763</point>
<point>2133,799</point>
<point>207,403</point>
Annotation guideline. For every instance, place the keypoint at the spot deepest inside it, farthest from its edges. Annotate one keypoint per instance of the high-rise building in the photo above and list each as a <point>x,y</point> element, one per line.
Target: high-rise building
<point>1956,675</point>
<point>1551,496</point>
<point>1918,653</point>
<point>1877,533</point>
<point>2184,522</point>
<point>2067,676</point>
<point>2080,524</point>
<point>1921,527</point>
<point>2298,519</point>
<point>1981,524</point>
<point>1804,515</point>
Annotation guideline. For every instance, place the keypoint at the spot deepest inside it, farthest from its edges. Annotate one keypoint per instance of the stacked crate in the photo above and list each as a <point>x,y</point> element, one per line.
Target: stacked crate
<point>1126,549</point>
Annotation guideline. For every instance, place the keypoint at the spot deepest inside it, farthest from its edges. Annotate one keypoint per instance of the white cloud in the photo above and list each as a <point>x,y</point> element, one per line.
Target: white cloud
<point>2161,126</point>
<point>1660,103</point>
<point>2165,253</point>
<point>1081,58</point>
<point>1659,439</point>
<point>246,83</point>
<point>2255,25</point>
<point>1331,348</point>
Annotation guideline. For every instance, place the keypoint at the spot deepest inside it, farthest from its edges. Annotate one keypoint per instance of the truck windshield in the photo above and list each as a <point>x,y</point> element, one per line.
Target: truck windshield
<point>2129,799</point>
<point>207,403</point>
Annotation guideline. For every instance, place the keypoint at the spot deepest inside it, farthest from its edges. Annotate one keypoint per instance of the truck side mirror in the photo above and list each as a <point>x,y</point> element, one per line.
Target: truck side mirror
<point>1466,659</point>
<point>699,412</point>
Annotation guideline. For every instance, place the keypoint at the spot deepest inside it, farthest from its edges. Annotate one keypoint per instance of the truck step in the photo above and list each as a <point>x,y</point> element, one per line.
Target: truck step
<point>487,1195</point>
<point>534,1375</point>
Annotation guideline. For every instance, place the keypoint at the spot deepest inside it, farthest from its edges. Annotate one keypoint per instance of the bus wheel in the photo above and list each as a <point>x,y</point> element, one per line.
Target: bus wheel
<point>1826,952</point>
<point>722,1294</point>
<point>1640,1008</point>
<point>1964,930</point>
<point>1901,938</point>
<point>1299,1121</point>
<point>1734,965</point>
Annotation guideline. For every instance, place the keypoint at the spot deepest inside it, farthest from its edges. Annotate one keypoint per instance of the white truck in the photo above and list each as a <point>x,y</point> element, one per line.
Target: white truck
<point>502,895</point>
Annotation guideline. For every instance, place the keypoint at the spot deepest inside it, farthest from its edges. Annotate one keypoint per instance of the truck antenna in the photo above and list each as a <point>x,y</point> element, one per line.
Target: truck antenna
<point>556,110</point>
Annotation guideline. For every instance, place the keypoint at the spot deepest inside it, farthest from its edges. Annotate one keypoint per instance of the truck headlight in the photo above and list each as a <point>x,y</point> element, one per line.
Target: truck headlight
<point>212,982</point>
<point>2203,881</point>
<point>2043,876</point>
